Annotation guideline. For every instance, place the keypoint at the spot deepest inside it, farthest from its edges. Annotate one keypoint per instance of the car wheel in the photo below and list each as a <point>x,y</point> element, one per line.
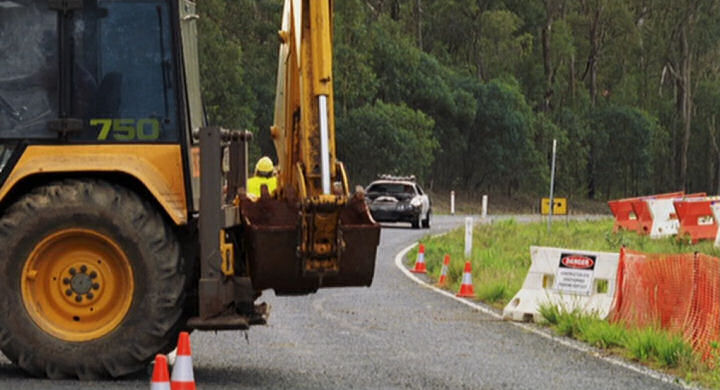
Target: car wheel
<point>417,222</point>
<point>426,221</point>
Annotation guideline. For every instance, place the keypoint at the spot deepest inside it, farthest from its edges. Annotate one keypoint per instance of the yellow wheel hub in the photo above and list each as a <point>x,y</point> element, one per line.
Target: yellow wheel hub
<point>77,284</point>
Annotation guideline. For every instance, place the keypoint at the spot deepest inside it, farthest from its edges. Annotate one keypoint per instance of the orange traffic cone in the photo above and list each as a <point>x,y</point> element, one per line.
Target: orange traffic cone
<point>466,288</point>
<point>182,373</point>
<point>420,261</point>
<point>443,272</point>
<point>160,376</point>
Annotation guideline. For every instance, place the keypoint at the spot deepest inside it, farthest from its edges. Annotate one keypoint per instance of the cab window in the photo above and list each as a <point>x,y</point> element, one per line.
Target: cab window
<point>124,75</point>
<point>28,69</point>
<point>107,65</point>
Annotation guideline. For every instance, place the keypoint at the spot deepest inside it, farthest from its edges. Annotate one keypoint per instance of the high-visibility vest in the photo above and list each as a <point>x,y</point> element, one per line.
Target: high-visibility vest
<point>254,183</point>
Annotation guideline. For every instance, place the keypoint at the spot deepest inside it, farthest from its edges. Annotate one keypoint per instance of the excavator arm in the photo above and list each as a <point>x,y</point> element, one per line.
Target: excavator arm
<point>304,128</point>
<point>312,232</point>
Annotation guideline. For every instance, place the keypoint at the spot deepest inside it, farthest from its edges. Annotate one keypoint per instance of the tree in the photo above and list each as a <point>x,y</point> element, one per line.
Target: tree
<point>623,138</point>
<point>686,43</point>
<point>386,138</point>
<point>708,105</point>
<point>501,153</point>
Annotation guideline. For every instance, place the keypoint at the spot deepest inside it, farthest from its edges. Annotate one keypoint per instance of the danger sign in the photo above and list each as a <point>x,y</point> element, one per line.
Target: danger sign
<point>575,274</point>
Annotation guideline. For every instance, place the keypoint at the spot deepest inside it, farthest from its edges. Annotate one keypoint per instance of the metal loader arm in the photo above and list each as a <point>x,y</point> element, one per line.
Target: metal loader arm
<point>329,238</point>
<point>304,128</point>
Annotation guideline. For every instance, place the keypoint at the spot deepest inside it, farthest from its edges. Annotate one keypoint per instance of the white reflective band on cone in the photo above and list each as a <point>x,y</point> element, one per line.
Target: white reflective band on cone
<point>160,386</point>
<point>467,278</point>
<point>182,370</point>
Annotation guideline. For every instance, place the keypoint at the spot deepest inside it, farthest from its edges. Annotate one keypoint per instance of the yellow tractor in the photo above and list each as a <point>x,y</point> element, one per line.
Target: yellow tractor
<point>124,217</point>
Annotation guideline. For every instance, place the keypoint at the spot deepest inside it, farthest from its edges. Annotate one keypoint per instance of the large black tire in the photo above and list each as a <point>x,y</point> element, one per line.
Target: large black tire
<point>417,222</point>
<point>155,312</point>
<point>426,221</point>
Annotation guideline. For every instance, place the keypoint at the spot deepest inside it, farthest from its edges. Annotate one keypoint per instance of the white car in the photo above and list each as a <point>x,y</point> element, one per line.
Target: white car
<point>399,199</point>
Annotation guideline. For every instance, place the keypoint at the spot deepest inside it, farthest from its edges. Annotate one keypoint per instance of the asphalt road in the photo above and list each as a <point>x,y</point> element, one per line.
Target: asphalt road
<point>395,334</point>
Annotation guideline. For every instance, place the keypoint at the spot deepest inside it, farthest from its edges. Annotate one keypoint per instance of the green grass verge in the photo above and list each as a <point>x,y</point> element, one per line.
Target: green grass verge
<point>501,251</point>
<point>501,258</point>
<point>652,345</point>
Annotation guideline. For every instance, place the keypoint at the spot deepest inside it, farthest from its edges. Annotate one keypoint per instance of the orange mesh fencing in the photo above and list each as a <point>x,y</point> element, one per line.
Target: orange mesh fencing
<point>679,293</point>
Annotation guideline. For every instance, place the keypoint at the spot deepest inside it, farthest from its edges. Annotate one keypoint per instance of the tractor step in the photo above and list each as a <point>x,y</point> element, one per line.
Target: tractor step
<point>232,321</point>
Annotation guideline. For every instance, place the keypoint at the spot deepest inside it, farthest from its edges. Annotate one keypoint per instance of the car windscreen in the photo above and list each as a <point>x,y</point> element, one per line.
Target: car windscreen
<point>392,189</point>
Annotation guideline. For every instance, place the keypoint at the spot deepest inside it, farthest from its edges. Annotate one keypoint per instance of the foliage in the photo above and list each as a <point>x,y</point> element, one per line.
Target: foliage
<point>500,261</point>
<point>629,89</point>
<point>401,142</point>
<point>647,344</point>
<point>622,144</point>
<point>501,139</point>
<point>500,252</point>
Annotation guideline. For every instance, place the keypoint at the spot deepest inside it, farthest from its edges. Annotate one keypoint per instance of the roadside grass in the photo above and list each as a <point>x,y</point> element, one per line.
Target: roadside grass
<point>500,261</point>
<point>651,345</point>
<point>501,251</point>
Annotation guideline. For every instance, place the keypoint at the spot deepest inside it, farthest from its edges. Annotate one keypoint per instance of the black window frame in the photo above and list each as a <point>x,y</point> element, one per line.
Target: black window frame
<point>65,125</point>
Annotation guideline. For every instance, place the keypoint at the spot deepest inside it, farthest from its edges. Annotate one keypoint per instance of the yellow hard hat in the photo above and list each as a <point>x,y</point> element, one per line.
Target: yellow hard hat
<point>264,165</point>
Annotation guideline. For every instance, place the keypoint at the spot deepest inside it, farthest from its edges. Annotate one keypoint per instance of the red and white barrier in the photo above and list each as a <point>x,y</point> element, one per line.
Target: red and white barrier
<point>697,221</point>
<point>569,278</point>
<point>715,207</point>
<point>626,218</point>
<point>658,217</point>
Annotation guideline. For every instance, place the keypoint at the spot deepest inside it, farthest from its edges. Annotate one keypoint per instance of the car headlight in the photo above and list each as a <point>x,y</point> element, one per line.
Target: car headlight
<point>416,202</point>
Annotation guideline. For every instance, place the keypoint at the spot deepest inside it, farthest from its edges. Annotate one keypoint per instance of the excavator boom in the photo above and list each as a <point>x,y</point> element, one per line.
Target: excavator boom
<point>328,237</point>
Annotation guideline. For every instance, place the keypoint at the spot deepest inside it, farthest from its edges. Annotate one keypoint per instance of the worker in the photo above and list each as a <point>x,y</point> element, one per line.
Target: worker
<point>264,176</point>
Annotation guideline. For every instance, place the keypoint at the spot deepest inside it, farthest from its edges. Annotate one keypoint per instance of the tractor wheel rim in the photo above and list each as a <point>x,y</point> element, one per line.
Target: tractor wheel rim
<point>77,284</point>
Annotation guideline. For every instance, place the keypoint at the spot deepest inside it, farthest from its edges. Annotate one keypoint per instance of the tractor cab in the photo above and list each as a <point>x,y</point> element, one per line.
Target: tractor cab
<point>90,71</point>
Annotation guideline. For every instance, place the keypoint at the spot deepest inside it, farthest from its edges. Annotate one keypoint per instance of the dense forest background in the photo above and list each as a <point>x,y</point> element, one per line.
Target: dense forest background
<point>470,94</point>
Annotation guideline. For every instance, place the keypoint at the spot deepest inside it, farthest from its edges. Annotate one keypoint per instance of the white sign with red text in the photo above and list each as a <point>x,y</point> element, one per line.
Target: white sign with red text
<point>575,274</point>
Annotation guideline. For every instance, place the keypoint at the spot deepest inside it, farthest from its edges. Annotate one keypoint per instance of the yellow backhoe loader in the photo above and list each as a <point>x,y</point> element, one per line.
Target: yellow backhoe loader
<point>124,217</point>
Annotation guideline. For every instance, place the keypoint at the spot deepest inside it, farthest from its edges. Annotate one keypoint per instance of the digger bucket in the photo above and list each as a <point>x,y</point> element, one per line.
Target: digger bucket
<point>272,240</point>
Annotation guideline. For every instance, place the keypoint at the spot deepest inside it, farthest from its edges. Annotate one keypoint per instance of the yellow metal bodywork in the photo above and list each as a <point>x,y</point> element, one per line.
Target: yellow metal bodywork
<point>334,238</point>
<point>77,284</point>
<point>304,74</point>
<point>304,78</point>
<point>227,253</point>
<point>158,167</point>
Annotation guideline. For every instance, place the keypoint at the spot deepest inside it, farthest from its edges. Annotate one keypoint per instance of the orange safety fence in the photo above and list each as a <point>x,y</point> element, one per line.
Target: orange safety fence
<point>679,293</point>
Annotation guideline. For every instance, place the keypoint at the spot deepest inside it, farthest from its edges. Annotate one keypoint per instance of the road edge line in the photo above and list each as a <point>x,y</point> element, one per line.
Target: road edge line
<point>576,345</point>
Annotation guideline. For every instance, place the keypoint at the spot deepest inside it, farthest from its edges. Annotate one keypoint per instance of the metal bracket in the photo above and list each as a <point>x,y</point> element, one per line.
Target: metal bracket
<point>66,125</point>
<point>227,252</point>
<point>65,5</point>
